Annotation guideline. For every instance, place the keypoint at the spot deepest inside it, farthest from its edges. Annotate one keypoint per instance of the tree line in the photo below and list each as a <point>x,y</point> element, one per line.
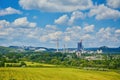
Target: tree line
<point>111,61</point>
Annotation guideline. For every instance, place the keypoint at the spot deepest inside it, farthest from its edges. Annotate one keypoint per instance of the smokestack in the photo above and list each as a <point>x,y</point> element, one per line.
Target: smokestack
<point>57,44</point>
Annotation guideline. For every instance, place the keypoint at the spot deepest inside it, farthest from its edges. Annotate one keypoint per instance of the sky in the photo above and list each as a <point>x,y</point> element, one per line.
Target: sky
<point>41,23</point>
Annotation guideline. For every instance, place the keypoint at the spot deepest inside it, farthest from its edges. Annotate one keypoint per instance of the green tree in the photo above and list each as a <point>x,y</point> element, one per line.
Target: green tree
<point>2,64</point>
<point>23,64</point>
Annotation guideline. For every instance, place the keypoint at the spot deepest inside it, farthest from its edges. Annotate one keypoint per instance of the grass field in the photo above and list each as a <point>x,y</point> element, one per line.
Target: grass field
<point>34,64</point>
<point>55,74</point>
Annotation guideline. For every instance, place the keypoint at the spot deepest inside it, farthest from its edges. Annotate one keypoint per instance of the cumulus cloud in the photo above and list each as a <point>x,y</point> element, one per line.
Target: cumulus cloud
<point>73,29</point>
<point>71,35</point>
<point>9,11</point>
<point>51,36</point>
<point>103,12</point>
<point>62,20</point>
<point>50,28</point>
<point>117,34</point>
<point>113,4</point>
<point>45,34</point>
<point>87,36</point>
<point>89,28</point>
<point>76,15</point>
<point>74,33</point>
<point>69,20</point>
<point>23,22</point>
<point>67,38</point>
<point>55,35</point>
<point>105,34</point>
<point>56,5</point>
<point>53,27</point>
<point>11,31</point>
<point>4,23</point>
<point>44,38</point>
<point>117,31</point>
<point>19,22</point>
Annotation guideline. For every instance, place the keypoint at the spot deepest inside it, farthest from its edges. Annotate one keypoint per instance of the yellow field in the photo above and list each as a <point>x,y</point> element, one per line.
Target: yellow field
<point>38,64</point>
<point>55,74</point>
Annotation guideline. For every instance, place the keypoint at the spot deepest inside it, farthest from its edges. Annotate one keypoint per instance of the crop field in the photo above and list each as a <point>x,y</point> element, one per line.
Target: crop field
<point>56,74</point>
<point>34,64</point>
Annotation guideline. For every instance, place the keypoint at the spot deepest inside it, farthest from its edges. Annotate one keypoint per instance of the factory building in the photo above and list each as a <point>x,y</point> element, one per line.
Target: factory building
<point>79,49</point>
<point>80,46</point>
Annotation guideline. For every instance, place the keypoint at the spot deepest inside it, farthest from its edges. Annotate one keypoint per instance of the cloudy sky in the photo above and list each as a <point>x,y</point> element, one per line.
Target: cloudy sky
<point>41,22</point>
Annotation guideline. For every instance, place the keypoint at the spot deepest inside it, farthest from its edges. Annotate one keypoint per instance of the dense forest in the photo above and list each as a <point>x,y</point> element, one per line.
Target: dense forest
<point>109,61</point>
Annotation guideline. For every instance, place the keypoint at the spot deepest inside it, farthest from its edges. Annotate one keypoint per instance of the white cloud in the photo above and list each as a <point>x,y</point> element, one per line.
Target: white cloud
<point>56,5</point>
<point>45,35</point>
<point>117,31</point>
<point>6,31</point>
<point>62,20</point>
<point>35,32</point>
<point>54,35</point>
<point>76,15</point>
<point>73,29</point>
<point>31,24</point>
<point>3,33</point>
<point>69,20</point>
<point>103,12</point>
<point>44,38</point>
<point>87,36</point>
<point>107,36</point>
<point>67,38</point>
<point>104,34</point>
<point>50,36</point>
<point>23,22</point>
<point>9,11</point>
<point>89,28</point>
<point>117,35</point>
<point>4,23</point>
<point>74,32</point>
<point>51,29</point>
<point>10,32</point>
<point>113,3</point>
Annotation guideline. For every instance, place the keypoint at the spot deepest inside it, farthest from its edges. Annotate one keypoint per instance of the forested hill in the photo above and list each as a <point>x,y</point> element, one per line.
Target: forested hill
<point>34,49</point>
<point>4,50</point>
<point>105,49</point>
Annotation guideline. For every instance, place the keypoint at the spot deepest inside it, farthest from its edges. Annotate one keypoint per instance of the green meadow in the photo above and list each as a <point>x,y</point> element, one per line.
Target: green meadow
<point>15,73</point>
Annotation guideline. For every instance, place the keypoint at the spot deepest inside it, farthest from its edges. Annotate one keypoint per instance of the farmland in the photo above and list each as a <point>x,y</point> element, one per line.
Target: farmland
<point>58,66</point>
<point>56,74</point>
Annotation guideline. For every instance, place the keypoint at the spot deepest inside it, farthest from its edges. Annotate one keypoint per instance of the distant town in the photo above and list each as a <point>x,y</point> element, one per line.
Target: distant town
<point>78,50</point>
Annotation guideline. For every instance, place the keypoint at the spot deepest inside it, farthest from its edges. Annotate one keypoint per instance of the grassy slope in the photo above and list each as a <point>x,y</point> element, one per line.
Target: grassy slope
<point>33,64</point>
<point>55,74</point>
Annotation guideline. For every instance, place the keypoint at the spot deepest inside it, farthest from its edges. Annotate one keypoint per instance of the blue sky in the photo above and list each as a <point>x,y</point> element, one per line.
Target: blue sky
<point>41,22</point>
